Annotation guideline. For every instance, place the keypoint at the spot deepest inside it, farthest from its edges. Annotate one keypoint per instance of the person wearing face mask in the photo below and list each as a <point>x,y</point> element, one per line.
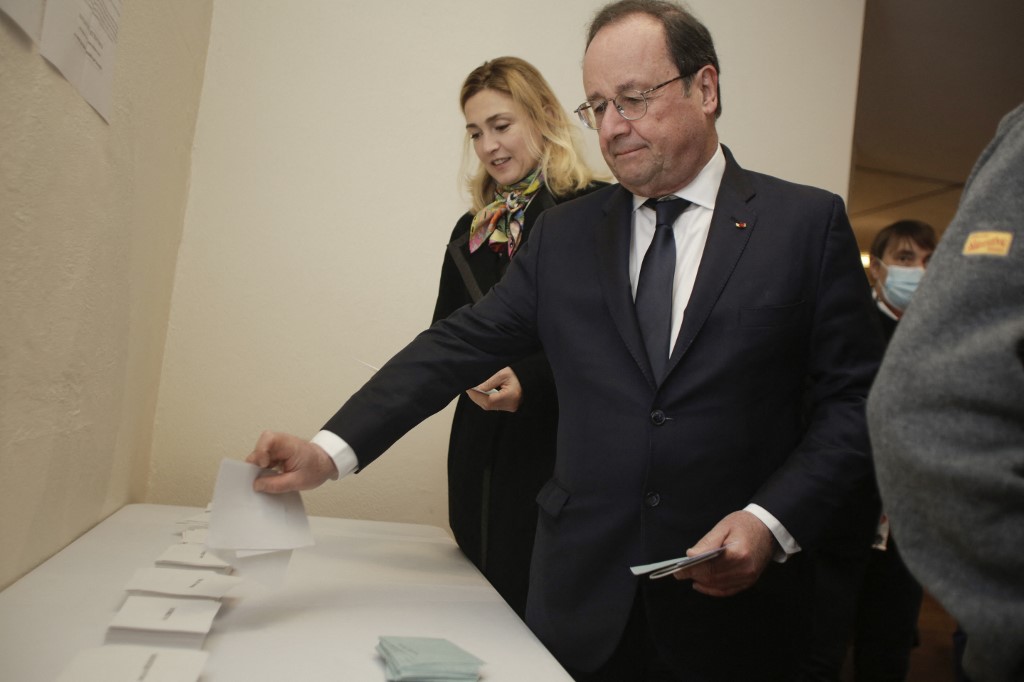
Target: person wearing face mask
<point>889,601</point>
<point>899,256</point>
<point>866,599</point>
<point>502,444</point>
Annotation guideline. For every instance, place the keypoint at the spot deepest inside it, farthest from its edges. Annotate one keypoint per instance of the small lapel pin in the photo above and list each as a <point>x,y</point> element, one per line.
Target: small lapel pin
<point>741,225</point>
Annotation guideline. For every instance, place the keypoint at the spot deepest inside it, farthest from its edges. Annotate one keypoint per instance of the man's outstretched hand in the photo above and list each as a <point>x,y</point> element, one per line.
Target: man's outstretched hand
<point>302,465</point>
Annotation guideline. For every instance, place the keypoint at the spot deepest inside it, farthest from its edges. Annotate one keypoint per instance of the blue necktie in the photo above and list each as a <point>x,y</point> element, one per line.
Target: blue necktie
<point>654,288</point>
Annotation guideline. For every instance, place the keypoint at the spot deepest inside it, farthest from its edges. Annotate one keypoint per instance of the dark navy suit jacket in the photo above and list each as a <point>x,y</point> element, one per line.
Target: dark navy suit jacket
<point>763,403</point>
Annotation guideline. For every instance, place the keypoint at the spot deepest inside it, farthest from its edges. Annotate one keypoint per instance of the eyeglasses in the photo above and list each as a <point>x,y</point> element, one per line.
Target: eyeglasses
<point>631,105</point>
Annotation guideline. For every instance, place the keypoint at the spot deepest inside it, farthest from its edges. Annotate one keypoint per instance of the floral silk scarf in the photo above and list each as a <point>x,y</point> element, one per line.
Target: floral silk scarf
<point>500,223</point>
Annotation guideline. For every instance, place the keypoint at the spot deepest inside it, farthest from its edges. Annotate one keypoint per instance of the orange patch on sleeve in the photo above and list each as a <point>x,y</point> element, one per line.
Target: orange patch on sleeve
<point>988,244</point>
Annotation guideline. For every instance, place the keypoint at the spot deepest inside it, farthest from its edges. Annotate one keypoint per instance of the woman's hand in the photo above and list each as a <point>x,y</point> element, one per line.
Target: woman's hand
<point>501,392</point>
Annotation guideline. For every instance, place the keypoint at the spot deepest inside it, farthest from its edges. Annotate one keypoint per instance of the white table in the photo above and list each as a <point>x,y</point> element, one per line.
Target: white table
<point>361,579</point>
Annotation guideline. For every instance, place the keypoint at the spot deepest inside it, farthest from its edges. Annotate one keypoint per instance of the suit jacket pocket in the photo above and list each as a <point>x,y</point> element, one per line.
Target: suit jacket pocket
<point>552,498</point>
<point>771,316</point>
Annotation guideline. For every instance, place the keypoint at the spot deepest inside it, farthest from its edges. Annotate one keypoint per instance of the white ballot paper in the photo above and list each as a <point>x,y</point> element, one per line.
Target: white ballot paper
<point>194,536</point>
<point>127,663</point>
<point>243,519</point>
<point>163,621</point>
<point>200,520</point>
<point>182,582</point>
<point>195,556</point>
<point>661,569</point>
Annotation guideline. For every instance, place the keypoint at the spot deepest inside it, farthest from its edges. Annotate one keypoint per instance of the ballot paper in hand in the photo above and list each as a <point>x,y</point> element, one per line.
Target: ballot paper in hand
<point>244,519</point>
<point>661,569</point>
<point>427,659</point>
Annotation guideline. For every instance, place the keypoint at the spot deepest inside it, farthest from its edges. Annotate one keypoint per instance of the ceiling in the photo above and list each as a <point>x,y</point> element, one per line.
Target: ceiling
<point>936,77</point>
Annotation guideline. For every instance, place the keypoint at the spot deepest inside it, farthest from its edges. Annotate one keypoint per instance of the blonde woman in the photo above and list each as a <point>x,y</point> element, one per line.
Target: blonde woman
<point>502,445</point>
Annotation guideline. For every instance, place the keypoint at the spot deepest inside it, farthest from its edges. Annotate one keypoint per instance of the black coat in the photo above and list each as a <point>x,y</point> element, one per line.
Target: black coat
<point>497,461</point>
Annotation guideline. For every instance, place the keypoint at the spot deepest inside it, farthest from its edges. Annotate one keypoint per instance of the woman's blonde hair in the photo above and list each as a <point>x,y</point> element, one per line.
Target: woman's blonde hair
<point>562,163</point>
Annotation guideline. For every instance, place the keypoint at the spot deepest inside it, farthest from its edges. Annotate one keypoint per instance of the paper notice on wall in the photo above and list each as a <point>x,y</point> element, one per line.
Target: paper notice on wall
<point>79,37</point>
<point>28,14</point>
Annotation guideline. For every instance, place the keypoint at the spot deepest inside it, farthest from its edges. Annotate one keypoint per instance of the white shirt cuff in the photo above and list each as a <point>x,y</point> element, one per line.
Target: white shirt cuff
<point>337,449</point>
<point>786,541</point>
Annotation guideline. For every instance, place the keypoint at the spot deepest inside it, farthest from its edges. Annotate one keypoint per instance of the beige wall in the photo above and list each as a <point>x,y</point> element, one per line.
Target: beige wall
<point>324,191</point>
<point>91,217</point>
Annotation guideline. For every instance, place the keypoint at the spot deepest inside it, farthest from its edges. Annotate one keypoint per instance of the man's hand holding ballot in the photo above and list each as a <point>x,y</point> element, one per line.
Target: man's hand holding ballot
<point>749,547</point>
<point>303,465</point>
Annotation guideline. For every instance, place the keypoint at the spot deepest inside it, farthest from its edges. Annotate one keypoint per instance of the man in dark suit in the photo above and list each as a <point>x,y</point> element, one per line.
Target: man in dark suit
<point>743,428</point>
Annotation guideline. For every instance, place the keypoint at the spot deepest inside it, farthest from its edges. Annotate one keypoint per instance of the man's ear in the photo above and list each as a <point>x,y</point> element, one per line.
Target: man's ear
<point>707,80</point>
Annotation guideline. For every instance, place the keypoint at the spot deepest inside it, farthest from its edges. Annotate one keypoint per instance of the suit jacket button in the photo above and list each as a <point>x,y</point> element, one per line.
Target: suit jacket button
<point>652,499</point>
<point>657,417</point>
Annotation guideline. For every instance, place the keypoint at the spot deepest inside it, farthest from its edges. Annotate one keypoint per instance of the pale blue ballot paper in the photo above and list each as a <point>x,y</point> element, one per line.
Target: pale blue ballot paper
<point>427,659</point>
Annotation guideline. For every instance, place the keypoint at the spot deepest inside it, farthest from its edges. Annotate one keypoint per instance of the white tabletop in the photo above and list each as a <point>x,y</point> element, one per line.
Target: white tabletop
<point>361,580</point>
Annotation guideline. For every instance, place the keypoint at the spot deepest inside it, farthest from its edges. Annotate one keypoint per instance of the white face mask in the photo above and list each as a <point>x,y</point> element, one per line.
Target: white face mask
<point>900,284</point>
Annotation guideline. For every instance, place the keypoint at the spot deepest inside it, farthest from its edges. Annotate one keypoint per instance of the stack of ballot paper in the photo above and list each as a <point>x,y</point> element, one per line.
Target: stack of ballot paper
<point>427,659</point>
<point>170,621</point>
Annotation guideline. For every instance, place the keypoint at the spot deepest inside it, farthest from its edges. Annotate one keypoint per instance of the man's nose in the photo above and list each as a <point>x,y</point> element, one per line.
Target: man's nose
<point>613,124</point>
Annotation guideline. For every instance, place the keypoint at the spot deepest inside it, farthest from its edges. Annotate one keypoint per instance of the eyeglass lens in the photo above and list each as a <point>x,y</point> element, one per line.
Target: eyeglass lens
<point>631,105</point>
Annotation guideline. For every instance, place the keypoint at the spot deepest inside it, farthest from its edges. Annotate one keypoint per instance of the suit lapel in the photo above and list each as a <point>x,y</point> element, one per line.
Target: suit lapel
<point>481,271</point>
<point>613,252</point>
<point>731,226</point>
